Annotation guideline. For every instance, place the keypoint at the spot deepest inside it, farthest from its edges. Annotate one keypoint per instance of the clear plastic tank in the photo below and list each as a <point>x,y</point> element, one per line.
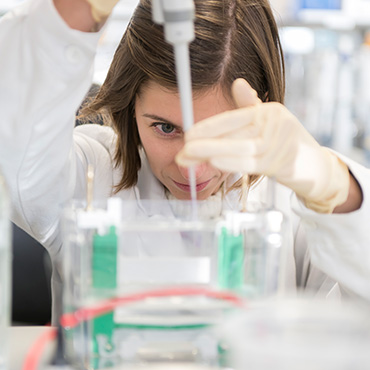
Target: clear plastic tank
<point>125,249</point>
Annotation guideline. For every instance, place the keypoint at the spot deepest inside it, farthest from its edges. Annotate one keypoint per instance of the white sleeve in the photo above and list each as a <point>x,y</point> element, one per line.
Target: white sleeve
<point>339,244</point>
<point>45,71</point>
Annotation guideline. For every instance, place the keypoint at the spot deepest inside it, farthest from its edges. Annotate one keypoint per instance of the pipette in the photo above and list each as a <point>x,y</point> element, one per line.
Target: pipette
<point>177,17</point>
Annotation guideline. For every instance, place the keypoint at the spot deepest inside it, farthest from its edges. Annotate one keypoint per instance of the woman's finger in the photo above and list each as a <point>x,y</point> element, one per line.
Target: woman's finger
<point>243,94</point>
<point>222,124</point>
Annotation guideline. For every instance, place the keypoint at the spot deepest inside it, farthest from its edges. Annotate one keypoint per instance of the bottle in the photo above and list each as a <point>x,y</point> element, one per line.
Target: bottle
<point>5,272</point>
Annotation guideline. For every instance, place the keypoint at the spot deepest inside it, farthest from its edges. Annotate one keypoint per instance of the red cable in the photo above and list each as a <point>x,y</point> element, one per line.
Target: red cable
<point>70,320</point>
<point>34,354</point>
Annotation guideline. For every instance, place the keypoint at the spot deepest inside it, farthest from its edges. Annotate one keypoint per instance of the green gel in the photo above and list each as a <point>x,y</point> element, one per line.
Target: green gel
<point>230,260</point>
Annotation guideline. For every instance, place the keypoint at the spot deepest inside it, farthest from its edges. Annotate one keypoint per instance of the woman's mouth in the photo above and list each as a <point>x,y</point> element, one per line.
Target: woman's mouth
<point>186,187</point>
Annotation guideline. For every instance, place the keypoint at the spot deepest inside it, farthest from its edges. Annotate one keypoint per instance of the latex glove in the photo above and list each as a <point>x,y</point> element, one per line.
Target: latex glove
<point>101,9</point>
<point>266,139</point>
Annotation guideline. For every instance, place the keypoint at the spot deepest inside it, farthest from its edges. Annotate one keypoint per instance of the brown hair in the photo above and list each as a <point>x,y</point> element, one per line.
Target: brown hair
<point>234,38</point>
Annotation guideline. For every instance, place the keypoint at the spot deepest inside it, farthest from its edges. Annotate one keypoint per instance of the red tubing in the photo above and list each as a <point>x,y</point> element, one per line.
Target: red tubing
<point>71,320</point>
<point>34,354</point>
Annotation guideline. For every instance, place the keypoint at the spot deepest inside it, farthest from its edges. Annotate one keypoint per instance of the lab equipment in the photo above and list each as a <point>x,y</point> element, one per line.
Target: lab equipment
<point>252,248</point>
<point>299,333</point>
<point>134,247</point>
<point>5,273</point>
<point>132,250</point>
<point>177,16</point>
<point>129,248</point>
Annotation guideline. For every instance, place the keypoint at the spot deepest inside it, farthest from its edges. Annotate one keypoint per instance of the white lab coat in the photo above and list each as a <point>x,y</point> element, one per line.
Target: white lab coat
<point>45,71</point>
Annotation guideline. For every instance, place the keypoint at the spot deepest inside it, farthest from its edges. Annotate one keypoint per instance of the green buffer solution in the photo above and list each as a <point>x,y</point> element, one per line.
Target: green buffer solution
<point>104,276</point>
<point>230,260</point>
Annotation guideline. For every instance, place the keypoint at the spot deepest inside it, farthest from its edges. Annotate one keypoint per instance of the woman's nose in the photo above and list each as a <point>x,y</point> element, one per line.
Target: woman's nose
<point>199,171</point>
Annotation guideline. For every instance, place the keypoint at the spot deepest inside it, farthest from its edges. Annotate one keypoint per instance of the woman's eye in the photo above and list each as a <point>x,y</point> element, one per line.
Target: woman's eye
<point>166,128</point>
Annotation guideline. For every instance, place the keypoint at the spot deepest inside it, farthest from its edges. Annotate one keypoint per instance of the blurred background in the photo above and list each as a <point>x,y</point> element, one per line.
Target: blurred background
<point>327,55</point>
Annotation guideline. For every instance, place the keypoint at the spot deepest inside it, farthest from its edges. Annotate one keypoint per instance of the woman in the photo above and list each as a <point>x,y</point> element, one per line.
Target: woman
<point>47,55</point>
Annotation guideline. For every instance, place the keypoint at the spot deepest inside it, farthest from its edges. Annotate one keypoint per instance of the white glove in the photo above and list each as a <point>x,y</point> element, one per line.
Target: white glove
<point>101,9</point>
<point>266,139</point>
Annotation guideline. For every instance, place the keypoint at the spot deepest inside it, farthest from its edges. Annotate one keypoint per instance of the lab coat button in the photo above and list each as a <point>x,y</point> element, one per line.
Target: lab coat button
<point>73,54</point>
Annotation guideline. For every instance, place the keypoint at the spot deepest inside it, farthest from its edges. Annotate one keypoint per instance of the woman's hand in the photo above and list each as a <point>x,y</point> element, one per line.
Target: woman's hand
<point>266,139</point>
<point>101,9</point>
<point>85,15</point>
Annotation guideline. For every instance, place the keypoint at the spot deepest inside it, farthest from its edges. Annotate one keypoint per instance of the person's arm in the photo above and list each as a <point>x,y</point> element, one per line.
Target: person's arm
<point>338,243</point>
<point>266,139</point>
<point>331,193</point>
<point>77,14</point>
<point>46,70</point>
<point>85,15</point>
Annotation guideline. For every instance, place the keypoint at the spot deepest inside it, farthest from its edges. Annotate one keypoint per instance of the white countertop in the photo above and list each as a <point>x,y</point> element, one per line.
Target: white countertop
<point>21,339</point>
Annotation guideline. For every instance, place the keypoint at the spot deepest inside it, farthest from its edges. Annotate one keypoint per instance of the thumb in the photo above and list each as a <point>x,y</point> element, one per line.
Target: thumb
<point>243,94</point>
<point>100,9</point>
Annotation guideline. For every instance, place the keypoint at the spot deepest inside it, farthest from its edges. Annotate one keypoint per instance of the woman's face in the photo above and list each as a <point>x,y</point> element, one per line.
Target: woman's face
<point>159,121</point>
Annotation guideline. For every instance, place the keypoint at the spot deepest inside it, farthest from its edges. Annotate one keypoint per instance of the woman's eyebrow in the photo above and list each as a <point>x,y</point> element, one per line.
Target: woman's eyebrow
<point>161,119</point>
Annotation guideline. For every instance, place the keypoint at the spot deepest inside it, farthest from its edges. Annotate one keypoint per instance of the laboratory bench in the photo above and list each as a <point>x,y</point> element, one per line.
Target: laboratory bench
<point>21,338</point>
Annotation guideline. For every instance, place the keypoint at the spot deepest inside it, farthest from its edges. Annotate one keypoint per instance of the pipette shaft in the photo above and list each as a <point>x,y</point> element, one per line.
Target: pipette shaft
<point>177,17</point>
<point>184,85</point>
